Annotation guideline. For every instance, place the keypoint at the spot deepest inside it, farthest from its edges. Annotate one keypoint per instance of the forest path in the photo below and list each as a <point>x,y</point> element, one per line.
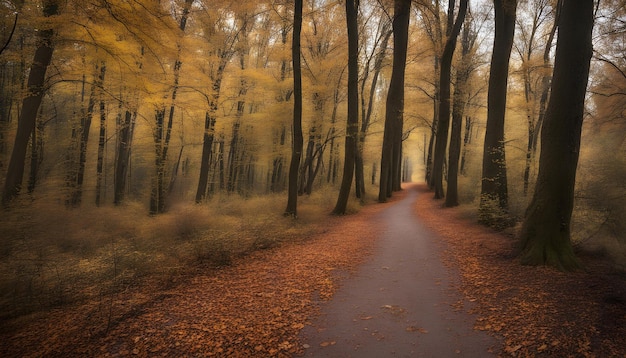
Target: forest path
<point>398,303</point>
<point>366,285</point>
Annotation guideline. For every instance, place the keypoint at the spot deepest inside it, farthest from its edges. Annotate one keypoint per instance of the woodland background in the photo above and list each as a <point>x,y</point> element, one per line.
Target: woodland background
<point>164,133</point>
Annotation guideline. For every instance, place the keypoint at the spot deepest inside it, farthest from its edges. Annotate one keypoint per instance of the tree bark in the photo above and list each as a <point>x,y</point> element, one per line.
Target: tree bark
<point>30,107</point>
<point>122,159</point>
<point>443,122</point>
<point>352,9</point>
<point>394,112</point>
<point>458,107</point>
<point>205,159</point>
<point>467,139</point>
<point>545,235</point>
<point>101,137</point>
<point>494,192</point>
<point>297,140</point>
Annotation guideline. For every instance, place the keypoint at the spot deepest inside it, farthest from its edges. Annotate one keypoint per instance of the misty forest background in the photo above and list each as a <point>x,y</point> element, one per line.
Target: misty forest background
<point>164,134</point>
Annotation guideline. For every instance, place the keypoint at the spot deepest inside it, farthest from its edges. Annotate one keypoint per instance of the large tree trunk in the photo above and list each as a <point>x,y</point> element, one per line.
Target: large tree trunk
<point>394,112</point>
<point>545,235</point>
<point>352,9</point>
<point>30,107</point>
<point>443,122</point>
<point>297,140</point>
<point>494,192</point>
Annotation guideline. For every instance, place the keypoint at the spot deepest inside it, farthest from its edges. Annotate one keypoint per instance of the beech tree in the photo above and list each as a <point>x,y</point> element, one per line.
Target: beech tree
<point>219,55</point>
<point>460,98</point>
<point>163,129</point>
<point>297,140</point>
<point>391,157</point>
<point>352,9</point>
<point>545,235</point>
<point>494,190</point>
<point>443,122</point>
<point>30,106</point>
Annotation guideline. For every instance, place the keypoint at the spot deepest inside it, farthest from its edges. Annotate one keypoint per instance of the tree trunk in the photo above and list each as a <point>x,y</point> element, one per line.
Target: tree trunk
<point>77,174</point>
<point>125,135</point>
<point>209,129</point>
<point>163,132</point>
<point>395,101</point>
<point>277,181</point>
<point>101,138</point>
<point>205,159</point>
<point>545,235</point>
<point>306,170</point>
<point>352,9</point>
<point>30,107</point>
<point>458,107</point>
<point>297,140</point>
<point>443,122</point>
<point>36,156</point>
<point>9,84</point>
<point>533,133</point>
<point>366,111</point>
<point>494,192</point>
<point>233,158</point>
<point>467,139</point>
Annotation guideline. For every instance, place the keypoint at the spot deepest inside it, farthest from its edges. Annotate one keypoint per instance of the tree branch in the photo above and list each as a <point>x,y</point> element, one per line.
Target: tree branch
<point>10,35</point>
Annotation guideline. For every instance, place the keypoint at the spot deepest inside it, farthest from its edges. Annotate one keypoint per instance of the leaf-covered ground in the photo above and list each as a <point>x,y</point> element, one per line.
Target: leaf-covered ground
<point>536,311</point>
<point>257,306</point>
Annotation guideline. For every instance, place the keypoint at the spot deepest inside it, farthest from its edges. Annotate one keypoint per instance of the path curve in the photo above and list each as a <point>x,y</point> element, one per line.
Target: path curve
<point>398,303</point>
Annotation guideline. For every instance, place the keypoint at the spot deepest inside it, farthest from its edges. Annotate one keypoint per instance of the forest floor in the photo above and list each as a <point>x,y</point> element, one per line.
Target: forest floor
<point>258,305</point>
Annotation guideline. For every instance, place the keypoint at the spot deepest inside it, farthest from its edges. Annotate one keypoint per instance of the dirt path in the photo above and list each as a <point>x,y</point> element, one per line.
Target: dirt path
<point>399,303</point>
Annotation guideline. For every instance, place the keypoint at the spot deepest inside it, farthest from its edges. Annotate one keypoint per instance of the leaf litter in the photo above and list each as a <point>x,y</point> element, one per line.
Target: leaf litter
<point>257,306</point>
<point>534,311</point>
<point>253,308</point>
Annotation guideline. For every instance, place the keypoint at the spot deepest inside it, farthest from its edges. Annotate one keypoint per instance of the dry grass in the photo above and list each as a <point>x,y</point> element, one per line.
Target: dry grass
<point>53,256</point>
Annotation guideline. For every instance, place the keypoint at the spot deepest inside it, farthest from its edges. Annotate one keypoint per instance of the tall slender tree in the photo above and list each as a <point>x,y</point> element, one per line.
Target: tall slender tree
<point>297,140</point>
<point>163,130</point>
<point>30,105</point>
<point>494,190</point>
<point>545,235</point>
<point>463,71</point>
<point>378,56</point>
<point>394,111</point>
<point>443,124</point>
<point>352,9</point>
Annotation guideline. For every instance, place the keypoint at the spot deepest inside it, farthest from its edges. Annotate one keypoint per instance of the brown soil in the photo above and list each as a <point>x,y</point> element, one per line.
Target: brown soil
<point>259,304</point>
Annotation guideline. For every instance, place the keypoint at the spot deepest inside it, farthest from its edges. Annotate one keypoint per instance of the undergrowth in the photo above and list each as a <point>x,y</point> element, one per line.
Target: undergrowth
<point>53,256</point>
